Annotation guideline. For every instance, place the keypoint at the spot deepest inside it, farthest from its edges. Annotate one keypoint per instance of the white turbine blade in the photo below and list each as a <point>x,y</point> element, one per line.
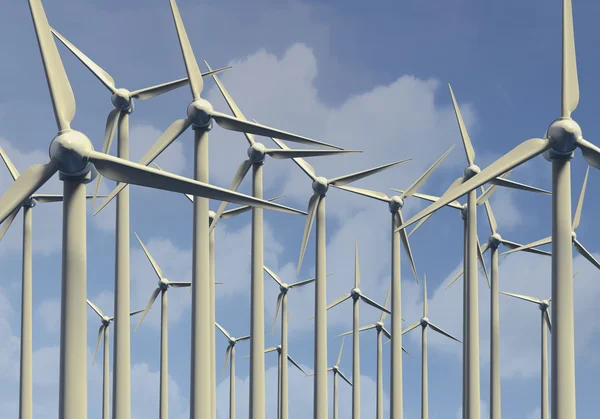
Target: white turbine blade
<point>133,313</point>
<point>584,252</point>
<point>406,244</point>
<point>411,327</point>
<point>387,334</point>
<point>365,192</point>
<point>290,154</point>
<point>513,245</point>
<point>344,377</point>
<point>98,342</point>
<point>339,357</point>
<point>243,338</point>
<point>432,198</point>
<point>453,280</point>
<point>590,152</point>
<point>356,265</point>
<point>180,284</point>
<point>271,349</point>
<point>296,364</point>
<point>155,266</point>
<point>482,263</point>
<point>548,321</point>
<point>277,307</point>
<point>300,162</point>
<point>499,181</point>
<point>153,91</point>
<point>353,177</point>
<point>403,350</point>
<point>386,304</point>
<point>188,196</point>
<point>222,329</point>
<point>7,223</point>
<point>522,297</point>
<point>46,198</point>
<point>235,124</point>
<point>518,155</point>
<point>239,176</point>
<point>25,186</point>
<point>105,78</point>
<point>109,133</point>
<point>374,304</point>
<point>570,83</point>
<point>360,329</point>
<point>96,309</point>
<point>231,103</point>
<point>227,355</point>
<point>530,245</point>
<point>440,331</point>
<point>273,275</point>
<point>191,66</point>
<point>230,213</point>
<point>577,217</point>
<point>425,299</point>
<point>148,306</point>
<point>417,183</point>
<point>302,283</point>
<point>125,171</point>
<point>339,301</point>
<point>171,134</point>
<point>61,93</point>
<point>14,173</point>
<point>470,152</point>
<point>490,216</point>
<point>313,204</point>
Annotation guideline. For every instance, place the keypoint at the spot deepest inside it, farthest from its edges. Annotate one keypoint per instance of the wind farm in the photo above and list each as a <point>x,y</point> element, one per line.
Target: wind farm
<point>337,114</point>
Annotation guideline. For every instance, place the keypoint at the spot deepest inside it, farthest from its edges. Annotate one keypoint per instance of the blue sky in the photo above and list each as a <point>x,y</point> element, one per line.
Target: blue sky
<point>361,77</point>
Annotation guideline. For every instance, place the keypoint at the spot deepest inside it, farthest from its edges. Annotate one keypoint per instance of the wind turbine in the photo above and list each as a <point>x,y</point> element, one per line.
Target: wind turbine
<point>163,287</point>
<point>336,371</point>
<point>471,374</point>
<point>230,354</point>
<point>543,306</point>
<point>200,115</point>
<point>316,209</point>
<point>425,323</point>
<point>575,223</point>
<point>356,295</point>
<point>72,154</point>
<point>211,216</point>
<point>282,303</point>
<point>103,334</point>
<point>257,154</point>
<point>123,102</point>
<point>562,137</point>
<point>395,204</point>
<point>380,328</point>
<point>26,355</point>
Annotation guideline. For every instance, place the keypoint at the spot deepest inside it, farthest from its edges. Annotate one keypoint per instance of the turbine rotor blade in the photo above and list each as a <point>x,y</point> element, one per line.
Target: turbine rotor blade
<point>239,176</point>
<point>339,357</point>
<point>590,152</point>
<point>365,192</point>
<point>374,304</point>
<point>96,309</point>
<point>577,216</point>
<point>296,364</point>
<point>313,204</point>
<point>417,183</point>
<point>273,275</point>
<point>411,327</point>
<point>148,306</point>
<point>14,173</point>
<point>300,162</point>
<point>222,329</point>
<point>570,82</point>
<point>522,297</point>
<point>98,342</point>
<point>469,151</point>
<point>513,245</point>
<point>406,244</point>
<point>289,154</point>
<point>530,245</point>
<point>155,266</point>
<point>277,307</point>
<point>7,223</point>
<point>344,377</point>
<point>585,253</point>
<point>353,177</point>
<point>440,331</point>
<point>339,301</point>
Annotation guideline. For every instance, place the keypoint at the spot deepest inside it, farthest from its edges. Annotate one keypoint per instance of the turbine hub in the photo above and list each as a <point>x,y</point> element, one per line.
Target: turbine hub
<point>544,305</point>
<point>232,342</point>
<point>256,153</point>
<point>355,293</point>
<point>424,321</point>
<point>574,235</point>
<point>284,288</point>
<point>211,216</point>
<point>379,325</point>
<point>464,212</point>
<point>200,112</point>
<point>320,185</point>
<point>121,98</point>
<point>70,149</point>
<point>396,203</point>
<point>163,284</point>
<point>29,203</point>
<point>563,135</point>
<point>471,171</point>
<point>495,240</point>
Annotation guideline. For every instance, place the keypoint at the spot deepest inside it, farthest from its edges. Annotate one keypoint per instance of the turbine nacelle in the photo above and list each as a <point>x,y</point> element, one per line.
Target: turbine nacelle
<point>200,111</point>
<point>495,240</point>
<point>464,212</point>
<point>544,304</point>
<point>563,133</point>
<point>424,321</point>
<point>355,293</point>
<point>573,235</point>
<point>471,171</point>
<point>257,152</point>
<point>163,284</point>
<point>122,99</point>
<point>284,288</point>
<point>211,216</point>
<point>396,203</point>
<point>320,185</point>
<point>379,326</point>
<point>29,203</point>
<point>70,150</point>
<point>106,320</point>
